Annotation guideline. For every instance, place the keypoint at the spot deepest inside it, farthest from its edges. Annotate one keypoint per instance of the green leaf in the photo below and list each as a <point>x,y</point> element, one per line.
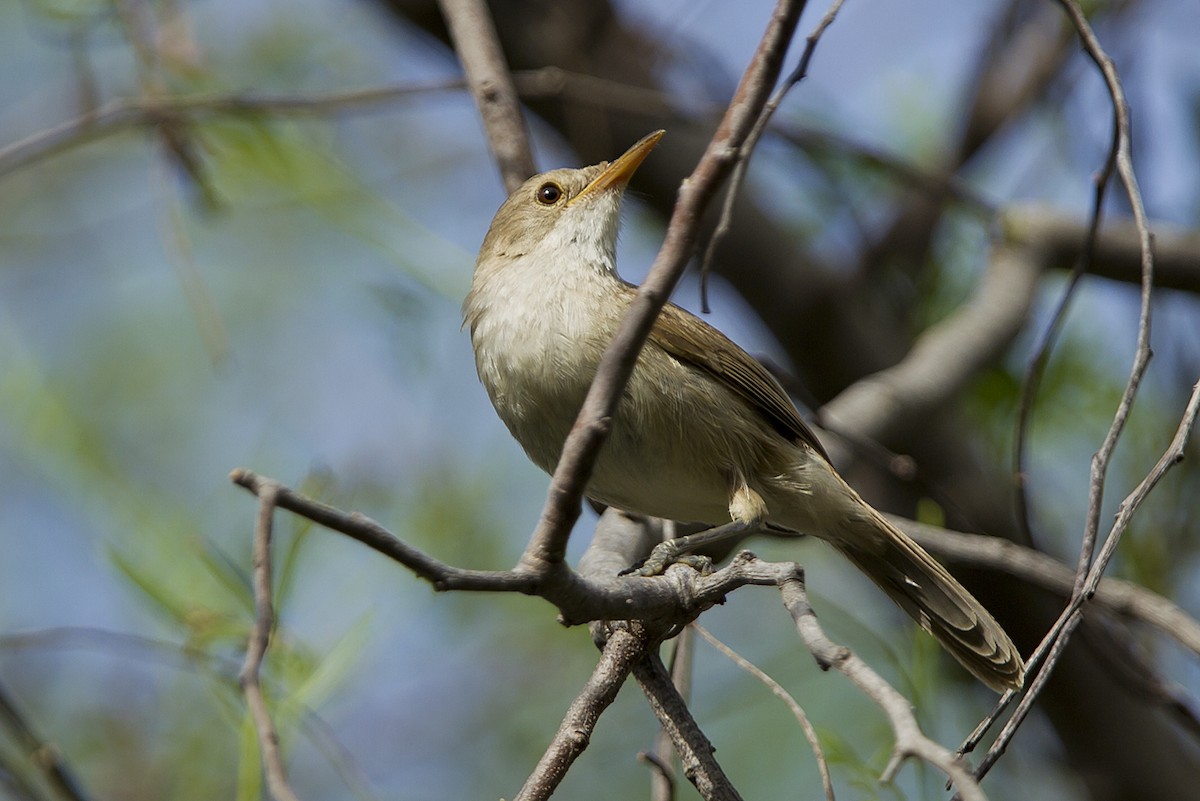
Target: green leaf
<point>229,573</point>
<point>158,591</point>
<point>337,664</point>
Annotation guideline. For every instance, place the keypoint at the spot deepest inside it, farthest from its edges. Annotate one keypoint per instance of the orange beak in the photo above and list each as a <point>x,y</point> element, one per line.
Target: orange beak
<point>620,171</point>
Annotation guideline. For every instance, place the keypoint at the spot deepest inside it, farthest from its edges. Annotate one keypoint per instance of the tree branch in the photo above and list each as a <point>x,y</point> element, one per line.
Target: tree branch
<point>621,652</point>
<point>946,356</point>
<point>547,546</point>
<point>256,648</point>
<point>1115,251</point>
<point>1091,567</point>
<point>910,740</point>
<point>810,732</point>
<point>597,594</point>
<point>694,748</point>
<point>658,604</point>
<point>478,47</point>
<point>742,161</point>
<point>1055,641</point>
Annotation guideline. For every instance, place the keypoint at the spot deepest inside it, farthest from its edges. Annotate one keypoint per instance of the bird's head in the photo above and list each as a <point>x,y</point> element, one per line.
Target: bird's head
<point>571,214</point>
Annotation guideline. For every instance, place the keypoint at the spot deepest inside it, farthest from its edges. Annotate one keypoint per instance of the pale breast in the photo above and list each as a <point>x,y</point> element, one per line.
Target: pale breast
<point>674,448</point>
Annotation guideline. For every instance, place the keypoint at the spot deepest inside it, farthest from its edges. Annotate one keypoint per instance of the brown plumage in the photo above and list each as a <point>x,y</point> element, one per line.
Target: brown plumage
<point>703,432</point>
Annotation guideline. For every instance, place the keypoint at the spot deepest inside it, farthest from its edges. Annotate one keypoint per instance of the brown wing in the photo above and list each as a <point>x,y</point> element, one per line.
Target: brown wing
<point>708,349</point>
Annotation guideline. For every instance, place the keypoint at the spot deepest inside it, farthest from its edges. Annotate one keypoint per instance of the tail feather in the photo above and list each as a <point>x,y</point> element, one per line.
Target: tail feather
<point>924,589</point>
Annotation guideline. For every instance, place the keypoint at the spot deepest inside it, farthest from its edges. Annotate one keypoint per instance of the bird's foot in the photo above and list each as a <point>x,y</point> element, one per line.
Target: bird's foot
<point>678,550</point>
<point>669,553</point>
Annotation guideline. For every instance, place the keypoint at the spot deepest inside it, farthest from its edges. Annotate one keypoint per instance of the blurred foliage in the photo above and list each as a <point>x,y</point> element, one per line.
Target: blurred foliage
<point>296,312</point>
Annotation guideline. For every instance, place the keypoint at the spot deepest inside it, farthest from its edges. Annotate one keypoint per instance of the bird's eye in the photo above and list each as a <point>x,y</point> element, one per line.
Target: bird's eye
<point>549,193</point>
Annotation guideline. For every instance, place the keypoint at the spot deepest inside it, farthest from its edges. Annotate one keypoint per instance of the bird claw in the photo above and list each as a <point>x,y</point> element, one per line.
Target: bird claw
<point>666,554</point>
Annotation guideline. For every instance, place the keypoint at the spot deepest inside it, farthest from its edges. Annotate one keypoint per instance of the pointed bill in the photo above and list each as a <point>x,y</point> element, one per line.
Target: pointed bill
<point>620,171</point>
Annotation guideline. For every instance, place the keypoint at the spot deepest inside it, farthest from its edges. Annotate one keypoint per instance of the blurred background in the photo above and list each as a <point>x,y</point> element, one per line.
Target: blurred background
<point>277,286</point>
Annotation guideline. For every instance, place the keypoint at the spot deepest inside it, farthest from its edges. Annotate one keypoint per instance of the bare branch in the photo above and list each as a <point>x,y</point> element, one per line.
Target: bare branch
<point>947,355</point>
<point>478,47</point>
<point>256,648</point>
<point>621,652</point>
<point>747,149</point>
<point>659,604</point>
<point>1055,641</point>
<point>1123,162</point>
<point>910,740</point>
<point>683,652</point>
<point>547,546</point>
<point>694,748</point>
<point>1115,252</point>
<point>1090,569</point>
<point>1171,457</point>
<point>810,733</point>
<point>597,594</point>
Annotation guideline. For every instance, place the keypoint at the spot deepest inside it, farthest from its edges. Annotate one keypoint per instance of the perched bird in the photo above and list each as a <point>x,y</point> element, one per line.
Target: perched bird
<point>703,432</point>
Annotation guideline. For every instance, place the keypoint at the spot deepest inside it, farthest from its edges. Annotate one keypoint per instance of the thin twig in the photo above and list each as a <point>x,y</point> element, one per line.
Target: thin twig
<point>256,650</point>
<point>478,46</point>
<point>674,598</point>
<point>663,787</point>
<point>910,740</point>
<point>622,650</point>
<point>1053,643</point>
<point>547,546</point>
<point>694,748</point>
<point>810,733</point>
<point>747,149</point>
<point>1124,165</point>
<point>1041,356</point>
<point>1086,572</point>
<point>1173,455</point>
<point>683,651</point>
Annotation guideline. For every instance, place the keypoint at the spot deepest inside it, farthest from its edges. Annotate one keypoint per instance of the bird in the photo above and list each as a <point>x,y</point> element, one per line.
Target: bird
<point>703,432</point>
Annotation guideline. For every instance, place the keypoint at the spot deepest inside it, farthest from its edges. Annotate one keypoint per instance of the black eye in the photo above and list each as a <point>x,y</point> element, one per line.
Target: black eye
<point>549,193</point>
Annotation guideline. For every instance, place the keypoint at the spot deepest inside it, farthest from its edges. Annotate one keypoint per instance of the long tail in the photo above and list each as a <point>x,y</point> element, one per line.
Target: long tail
<point>927,592</point>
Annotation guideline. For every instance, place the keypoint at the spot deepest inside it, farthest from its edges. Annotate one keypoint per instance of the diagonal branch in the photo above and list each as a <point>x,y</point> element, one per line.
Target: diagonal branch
<point>947,355</point>
<point>547,546</point>
<point>1055,641</point>
<point>747,149</point>
<point>621,652</point>
<point>694,748</point>
<point>910,740</point>
<point>810,731</point>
